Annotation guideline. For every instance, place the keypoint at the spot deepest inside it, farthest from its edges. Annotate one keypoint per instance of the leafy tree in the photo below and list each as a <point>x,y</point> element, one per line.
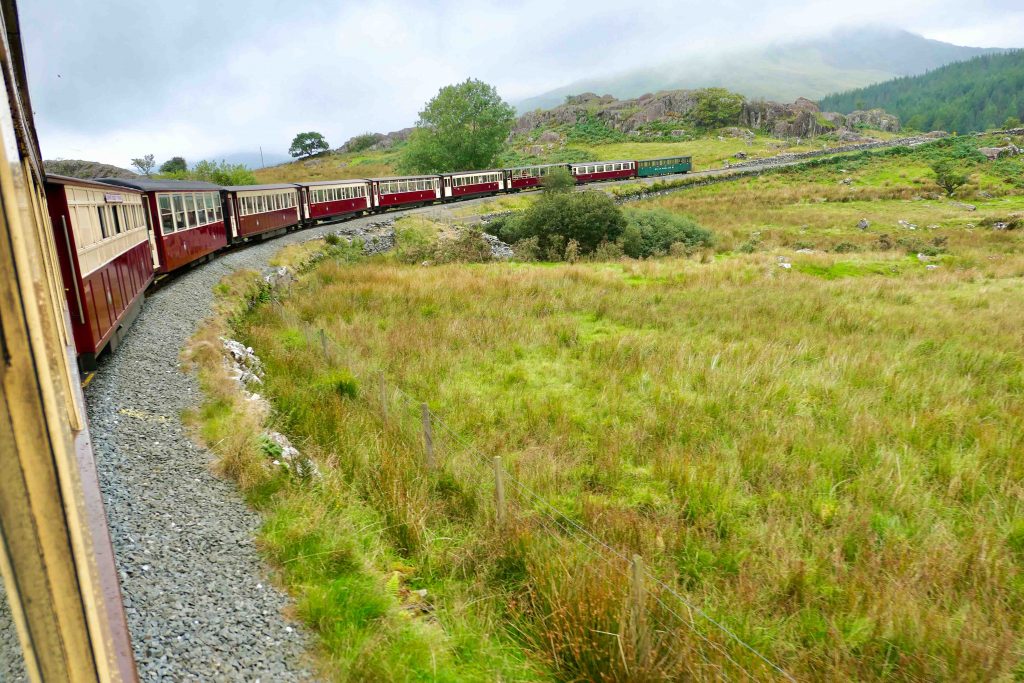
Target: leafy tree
<point>306,144</point>
<point>716,107</point>
<point>949,177</point>
<point>588,218</point>
<point>559,180</point>
<point>652,232</point>
<point>1011,122</point>
<point>174,165</point>
<point>463,127</point>
<point>144,164</point>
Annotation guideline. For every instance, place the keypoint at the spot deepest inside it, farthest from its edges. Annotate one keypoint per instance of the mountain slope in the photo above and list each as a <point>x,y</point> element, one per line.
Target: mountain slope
<point>966,96</point>
<point>77,168</point>
<point>845,59</point>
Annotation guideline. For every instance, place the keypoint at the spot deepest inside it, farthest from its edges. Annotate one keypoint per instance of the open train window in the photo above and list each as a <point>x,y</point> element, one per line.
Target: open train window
<point>117,221</point>
<point>103,222</point>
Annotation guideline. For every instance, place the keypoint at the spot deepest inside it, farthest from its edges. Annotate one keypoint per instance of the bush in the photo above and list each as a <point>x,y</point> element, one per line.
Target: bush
<point>948,177</point>
<point>589,218</point>
<point>468,247</point>
<point>559,180</point>
<point>652,232</point>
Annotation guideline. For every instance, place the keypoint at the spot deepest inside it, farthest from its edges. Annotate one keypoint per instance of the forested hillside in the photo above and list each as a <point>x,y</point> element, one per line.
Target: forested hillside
<point>975,95</point>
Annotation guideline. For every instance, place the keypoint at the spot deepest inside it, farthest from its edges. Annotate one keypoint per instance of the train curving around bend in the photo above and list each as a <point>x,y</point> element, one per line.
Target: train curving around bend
<point>116,237</point>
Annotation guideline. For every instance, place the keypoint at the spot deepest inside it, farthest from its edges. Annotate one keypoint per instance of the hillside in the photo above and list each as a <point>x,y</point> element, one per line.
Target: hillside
<point>843,60</point>
<point>966,96</point>
<point>78,168</point>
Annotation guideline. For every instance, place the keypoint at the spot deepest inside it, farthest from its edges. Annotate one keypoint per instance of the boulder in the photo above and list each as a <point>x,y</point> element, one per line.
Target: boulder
<point>877,119</point>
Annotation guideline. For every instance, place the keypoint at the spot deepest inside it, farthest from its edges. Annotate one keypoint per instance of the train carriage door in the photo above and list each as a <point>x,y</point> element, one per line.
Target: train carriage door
<point>151,228</point>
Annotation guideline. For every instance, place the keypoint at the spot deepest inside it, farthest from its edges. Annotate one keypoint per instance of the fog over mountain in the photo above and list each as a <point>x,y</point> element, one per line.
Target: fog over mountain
<point>846,58</point>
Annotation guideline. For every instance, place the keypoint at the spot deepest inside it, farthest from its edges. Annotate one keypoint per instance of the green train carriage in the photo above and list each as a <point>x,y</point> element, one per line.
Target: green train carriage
<point>667,166</point>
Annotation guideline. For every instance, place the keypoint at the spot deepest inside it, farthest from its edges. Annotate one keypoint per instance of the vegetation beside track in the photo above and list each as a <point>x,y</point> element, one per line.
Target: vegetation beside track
<point>823,456</point>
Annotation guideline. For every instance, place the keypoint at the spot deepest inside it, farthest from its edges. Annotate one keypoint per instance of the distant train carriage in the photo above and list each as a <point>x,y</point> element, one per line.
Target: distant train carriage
<point>335,198</point>
<point>473,183</point>
<point>187,219</point>
<point>106,260</point>
<point>667,166</point>
<point>404,191</point>
<point>593,171</point>
<point>524,177</point>
<point>261,210</point>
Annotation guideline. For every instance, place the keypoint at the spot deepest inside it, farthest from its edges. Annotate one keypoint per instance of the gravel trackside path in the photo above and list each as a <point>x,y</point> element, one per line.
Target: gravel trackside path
<point>199,603</point>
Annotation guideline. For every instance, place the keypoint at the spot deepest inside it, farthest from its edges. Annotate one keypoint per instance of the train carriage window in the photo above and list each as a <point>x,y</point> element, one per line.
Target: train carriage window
<point>200,210</point>
<point>103,222</point>
<point>179,211</point>
<point>190,209</point>
<point>116,227</point>
<point>166,216</point>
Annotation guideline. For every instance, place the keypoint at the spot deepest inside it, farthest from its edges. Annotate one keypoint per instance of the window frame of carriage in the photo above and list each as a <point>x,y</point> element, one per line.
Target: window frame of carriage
<point>174,213</point>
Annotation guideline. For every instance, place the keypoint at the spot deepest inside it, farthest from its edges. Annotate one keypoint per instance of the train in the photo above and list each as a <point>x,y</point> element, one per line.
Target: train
<point>116,237</point>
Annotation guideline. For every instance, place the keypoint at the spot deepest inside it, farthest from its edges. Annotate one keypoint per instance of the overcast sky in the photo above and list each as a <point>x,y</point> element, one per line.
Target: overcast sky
<point>115,79</point>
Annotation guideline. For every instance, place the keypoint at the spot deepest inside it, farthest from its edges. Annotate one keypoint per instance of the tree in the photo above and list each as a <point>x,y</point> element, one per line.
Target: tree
<point>1011,122</point>
<point>463,127</point>
<point>716,107</point>
<point>948,177</point>
<point>306,144</point>
<point>144,164</point>
<point>559,180</point>
<point>174,165</point>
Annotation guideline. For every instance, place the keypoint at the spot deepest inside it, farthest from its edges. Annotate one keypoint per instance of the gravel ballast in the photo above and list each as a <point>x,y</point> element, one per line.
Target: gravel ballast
<point>197,595</point>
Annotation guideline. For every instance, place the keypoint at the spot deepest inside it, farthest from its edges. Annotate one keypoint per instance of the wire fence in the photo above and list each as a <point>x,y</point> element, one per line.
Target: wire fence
<point>719,648</point>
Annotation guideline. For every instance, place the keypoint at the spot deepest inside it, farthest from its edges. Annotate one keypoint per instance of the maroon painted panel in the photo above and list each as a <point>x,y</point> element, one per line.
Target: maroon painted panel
<point>479,188</point>
<point>108,293</point>
<point>324,209</point>
<point>518,183</point>
<point>181,248</point>
<point>407,197</point>
<point>607,175</point>
<point>257,223</point>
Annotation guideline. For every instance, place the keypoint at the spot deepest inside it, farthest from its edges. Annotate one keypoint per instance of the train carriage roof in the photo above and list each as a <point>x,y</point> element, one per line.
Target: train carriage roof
<point>257,188</point>
<point>595,163</point>
<point>407,177</point>
<point>68,180</point>
<point>340,181</point>
<point>150,185</point>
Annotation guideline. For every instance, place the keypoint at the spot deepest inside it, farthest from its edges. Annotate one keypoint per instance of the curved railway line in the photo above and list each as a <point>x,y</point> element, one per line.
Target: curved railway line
<point>197,597</point>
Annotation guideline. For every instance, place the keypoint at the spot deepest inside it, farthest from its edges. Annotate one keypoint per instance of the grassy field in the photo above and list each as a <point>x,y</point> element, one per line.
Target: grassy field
<point>824,457</point>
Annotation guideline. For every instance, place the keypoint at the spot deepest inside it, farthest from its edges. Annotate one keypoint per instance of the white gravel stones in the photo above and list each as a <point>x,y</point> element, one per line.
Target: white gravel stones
<point>199,603</point>
<point>499,250</point>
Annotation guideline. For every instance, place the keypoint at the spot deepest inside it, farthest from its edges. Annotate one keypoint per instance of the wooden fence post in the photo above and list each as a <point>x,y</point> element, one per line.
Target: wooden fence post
<point>499,489</point>
<point>383,398</point>
<point>428,436</point>
<point>638,610</point>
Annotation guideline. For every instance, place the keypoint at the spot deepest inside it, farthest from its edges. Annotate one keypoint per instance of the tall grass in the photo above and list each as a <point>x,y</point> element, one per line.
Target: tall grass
<point>829,467</point>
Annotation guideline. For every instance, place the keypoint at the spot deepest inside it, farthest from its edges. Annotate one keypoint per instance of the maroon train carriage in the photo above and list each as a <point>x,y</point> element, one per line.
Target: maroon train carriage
<point>188,219</point>
<point>473,183</point>
<point>525,177</point>
<point>403,191</point>
<point>333,198</point>
<point>593,171</point>
<point>261,210</point>
<point>105,255</point>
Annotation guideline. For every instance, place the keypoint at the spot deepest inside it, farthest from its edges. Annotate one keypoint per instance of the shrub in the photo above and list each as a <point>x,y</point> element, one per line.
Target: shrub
<point>589,218</point>
<point>468,247</point>
<point>845,248</point>
<point>332,239</point>
<point>652,232</point>
<point>527,249</point>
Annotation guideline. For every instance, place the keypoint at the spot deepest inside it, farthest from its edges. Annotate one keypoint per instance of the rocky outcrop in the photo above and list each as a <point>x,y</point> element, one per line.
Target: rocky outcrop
<point>800,119</point>
<point>876,119</point>
<point>381,141</point>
